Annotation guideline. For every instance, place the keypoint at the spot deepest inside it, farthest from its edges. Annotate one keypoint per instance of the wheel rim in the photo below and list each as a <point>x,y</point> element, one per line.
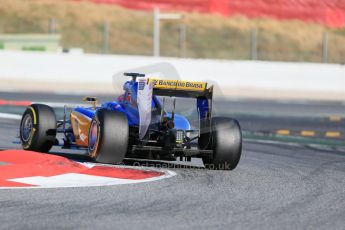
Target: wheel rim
<point>26,127</point>
<point>93,137</point>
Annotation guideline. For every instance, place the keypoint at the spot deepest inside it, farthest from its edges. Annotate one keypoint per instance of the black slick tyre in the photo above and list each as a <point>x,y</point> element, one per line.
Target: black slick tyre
<point>225,139</point>
<point>38,128</point>
<point>108,137</point>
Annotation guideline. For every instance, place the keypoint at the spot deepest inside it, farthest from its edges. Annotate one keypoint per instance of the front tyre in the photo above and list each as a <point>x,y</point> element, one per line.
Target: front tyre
<point>38,128</point>
<point>108,137</point>
<point>226,143</point>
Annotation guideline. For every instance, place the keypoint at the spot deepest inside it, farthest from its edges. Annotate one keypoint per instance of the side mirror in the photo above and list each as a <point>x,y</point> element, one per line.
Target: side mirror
<point>92,100</point>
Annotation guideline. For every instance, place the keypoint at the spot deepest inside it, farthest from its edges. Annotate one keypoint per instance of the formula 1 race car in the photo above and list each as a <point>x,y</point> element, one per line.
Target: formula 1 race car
<point>137,125</point>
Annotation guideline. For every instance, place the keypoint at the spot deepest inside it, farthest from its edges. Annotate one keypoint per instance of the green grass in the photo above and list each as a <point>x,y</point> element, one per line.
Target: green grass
<point>34,48</point>
<point>208,36</point>
<point>294,139</point>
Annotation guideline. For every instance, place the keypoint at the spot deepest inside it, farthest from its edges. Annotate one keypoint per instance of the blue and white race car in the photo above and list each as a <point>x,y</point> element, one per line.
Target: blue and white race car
<point>137,125</point>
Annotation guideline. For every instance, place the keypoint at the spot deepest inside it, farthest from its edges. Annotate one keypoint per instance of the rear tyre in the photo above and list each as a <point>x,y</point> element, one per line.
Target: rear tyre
<point>225,139</point>
<point>38,128</point>
<point>108,137</point>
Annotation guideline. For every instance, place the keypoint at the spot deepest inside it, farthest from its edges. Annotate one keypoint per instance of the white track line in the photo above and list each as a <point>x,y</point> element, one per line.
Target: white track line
<point>74,180</point>
<point>61,105</point>
<point>10,116</point>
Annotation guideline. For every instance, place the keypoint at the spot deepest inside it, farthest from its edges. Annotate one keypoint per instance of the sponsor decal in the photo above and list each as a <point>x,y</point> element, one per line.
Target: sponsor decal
<point>178,85</point>
<point>142,84</point>
<point>144,106</point>
<point>27,169</point>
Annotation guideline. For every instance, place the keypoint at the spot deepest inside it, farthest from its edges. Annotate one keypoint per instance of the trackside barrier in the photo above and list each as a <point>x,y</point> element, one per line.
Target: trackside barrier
<point>330,13</point>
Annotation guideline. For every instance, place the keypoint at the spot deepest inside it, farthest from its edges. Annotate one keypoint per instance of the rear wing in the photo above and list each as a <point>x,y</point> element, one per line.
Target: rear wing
<point>179,88</point>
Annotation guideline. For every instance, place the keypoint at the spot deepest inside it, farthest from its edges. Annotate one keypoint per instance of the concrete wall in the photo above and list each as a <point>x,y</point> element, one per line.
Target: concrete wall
<point>89,73</point>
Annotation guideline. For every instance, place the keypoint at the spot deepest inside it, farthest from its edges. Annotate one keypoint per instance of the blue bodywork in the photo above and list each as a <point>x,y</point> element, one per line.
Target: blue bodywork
<point>127,105</point>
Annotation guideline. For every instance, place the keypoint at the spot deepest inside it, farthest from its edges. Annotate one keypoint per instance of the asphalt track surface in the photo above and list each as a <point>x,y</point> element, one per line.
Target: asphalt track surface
<point>254,116</point>
<point>276,186</point>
